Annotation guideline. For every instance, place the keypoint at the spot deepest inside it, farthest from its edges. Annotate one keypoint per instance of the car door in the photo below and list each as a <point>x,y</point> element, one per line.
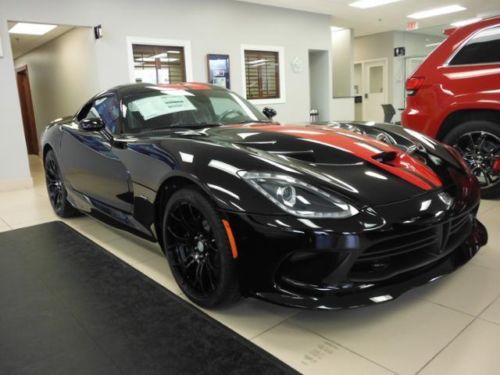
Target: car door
<point>90,164</point>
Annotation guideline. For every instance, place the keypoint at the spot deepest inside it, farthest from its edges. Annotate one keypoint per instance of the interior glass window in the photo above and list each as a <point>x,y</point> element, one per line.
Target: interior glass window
<point>159,64</point>
<point>262,74</point>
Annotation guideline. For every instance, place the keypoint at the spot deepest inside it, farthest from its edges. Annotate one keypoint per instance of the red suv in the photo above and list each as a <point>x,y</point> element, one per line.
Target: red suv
<point>454,96</point>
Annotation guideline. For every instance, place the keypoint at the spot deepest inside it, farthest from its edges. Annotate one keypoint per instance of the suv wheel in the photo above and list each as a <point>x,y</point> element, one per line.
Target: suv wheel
<point>479,144</point>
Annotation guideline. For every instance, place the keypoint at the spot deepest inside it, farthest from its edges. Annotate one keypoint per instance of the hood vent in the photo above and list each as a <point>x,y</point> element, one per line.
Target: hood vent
<point>304,155</point>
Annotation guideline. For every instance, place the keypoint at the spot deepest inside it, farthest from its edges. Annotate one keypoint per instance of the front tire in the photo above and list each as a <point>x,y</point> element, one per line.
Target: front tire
<point>55,187</point>
<point>479,144</point>
<point>198,250</point>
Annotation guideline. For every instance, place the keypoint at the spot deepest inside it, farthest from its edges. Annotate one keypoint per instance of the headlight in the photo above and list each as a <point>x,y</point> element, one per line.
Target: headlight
<point>297,197</point>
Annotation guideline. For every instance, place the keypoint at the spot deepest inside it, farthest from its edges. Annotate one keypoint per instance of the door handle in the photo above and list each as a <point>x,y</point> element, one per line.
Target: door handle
<point>366,96</point>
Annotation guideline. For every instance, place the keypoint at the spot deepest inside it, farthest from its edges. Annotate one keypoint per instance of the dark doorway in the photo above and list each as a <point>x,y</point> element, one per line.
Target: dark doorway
<point>23,86</point>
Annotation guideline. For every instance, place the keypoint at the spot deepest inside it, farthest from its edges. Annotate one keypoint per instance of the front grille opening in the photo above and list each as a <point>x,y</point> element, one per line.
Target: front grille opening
<point>308,269</point>
<point>406,249</point>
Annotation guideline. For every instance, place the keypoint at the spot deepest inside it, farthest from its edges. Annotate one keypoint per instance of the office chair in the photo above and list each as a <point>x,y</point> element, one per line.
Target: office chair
<point>389,112</point>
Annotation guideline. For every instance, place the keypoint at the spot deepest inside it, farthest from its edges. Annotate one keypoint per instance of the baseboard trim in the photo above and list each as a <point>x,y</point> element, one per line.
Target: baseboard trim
<point>16,184</point>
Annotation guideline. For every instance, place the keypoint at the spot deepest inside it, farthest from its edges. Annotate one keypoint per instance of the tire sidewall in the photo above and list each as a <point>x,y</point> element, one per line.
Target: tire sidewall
<point>470,126</point>
<point>227,288</point>
<point>66,210</point>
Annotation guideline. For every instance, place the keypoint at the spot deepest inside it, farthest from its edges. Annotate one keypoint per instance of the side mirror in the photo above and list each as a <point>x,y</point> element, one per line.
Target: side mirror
<point>91,124</point>
<point>269,112</point>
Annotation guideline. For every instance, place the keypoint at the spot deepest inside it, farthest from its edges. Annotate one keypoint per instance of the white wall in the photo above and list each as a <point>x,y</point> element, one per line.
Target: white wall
<point>342,60</point>
<point>212,26</point>
<point>382,45</point>
<point>320,89</point>
<point>415,45</point>
<point>63,75</point>
<point>373,47</point>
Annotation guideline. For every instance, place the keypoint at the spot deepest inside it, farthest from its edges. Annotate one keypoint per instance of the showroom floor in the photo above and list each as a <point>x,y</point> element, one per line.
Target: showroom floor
<point>452,326</point>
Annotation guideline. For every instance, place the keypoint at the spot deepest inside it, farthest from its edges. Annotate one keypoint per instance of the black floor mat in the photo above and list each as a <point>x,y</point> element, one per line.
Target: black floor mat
<point>70,307</point>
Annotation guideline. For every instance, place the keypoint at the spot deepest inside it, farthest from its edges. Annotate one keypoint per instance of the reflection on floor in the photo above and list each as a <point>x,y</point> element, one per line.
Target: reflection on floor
<point>452,326</point>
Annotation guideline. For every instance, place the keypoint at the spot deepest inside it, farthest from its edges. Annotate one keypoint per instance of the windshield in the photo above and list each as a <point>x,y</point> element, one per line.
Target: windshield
<point>164,108</point>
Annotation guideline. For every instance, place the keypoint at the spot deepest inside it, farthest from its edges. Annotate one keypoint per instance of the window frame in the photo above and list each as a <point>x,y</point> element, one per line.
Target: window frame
<point>464,43</point>
<point>281,72</point>
<point>186,44</point>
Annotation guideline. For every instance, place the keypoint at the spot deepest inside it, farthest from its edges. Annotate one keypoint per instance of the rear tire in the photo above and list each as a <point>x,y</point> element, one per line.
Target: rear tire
<point>478,141</point>
<point>198,250</point>
<point>58,195</point>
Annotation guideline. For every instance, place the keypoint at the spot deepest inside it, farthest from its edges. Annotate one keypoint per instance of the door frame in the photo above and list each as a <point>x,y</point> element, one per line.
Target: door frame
<point>385,62</point>
<point>28,113</point>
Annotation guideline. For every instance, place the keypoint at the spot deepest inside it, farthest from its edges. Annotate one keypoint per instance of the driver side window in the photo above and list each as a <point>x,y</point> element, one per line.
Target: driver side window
<point>107,109</point>
<point>225,108</point>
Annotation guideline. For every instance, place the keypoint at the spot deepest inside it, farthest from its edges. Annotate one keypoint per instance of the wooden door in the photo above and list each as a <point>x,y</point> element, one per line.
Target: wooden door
<point>23,86</point>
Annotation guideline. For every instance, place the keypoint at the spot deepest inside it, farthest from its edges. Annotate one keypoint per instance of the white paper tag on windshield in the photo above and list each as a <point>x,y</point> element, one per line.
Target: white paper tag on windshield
<point>155,106</point>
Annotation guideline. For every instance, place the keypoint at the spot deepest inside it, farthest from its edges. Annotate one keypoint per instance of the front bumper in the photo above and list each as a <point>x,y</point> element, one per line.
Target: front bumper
<point>300,266</point>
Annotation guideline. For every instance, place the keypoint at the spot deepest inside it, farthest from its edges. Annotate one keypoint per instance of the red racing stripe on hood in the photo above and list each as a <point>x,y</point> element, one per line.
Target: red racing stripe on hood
<point>404,165</point>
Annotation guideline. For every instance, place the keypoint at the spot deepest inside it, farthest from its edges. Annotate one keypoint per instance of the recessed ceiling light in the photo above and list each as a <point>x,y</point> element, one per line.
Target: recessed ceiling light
<point>466,22</point>
<point>31,28</point>
<point>363,4</point>
<point>437,12</point>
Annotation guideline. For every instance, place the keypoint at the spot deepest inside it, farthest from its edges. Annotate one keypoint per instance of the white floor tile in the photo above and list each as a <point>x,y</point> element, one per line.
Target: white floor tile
<point>488,204</point>
<point>475,351</point>
<point>3,226</point>
<point>312,354</point>
<point>251,317</point>
<point>401,335</point>
<point>469,289</point>
<point>95,230</point>
<point>492,313</point>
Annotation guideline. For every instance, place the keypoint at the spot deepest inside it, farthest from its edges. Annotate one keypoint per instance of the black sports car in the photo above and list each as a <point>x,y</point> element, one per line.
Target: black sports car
<point>318,216</point>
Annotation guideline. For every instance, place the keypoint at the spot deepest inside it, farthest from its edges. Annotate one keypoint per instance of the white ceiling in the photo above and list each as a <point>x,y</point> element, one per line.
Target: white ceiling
<point>22,43</point>
<point>387,17</point>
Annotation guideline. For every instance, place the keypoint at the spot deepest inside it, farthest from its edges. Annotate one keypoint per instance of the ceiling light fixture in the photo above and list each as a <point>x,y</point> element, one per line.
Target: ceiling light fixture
<point>364,4</point>
<point>31,28</point>
<point>437,12</point>
<point>466,22</point>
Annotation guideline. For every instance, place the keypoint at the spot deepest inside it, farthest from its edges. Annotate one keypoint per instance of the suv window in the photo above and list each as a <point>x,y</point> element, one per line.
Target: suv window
<point>482,48</point>
<point>107,109</point>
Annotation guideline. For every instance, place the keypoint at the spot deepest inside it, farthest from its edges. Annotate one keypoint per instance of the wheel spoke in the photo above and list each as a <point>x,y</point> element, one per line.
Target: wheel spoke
<point>176,236</point>
<point>479,150</point>
<point>192,247</point>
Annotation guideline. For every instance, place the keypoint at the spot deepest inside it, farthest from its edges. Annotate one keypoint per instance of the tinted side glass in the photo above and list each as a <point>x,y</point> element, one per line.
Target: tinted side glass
<point>107,109</point>
<point>483,48</point>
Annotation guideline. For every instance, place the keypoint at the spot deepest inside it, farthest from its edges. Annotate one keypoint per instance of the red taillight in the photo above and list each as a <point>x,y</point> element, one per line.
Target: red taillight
<point>413,84</point>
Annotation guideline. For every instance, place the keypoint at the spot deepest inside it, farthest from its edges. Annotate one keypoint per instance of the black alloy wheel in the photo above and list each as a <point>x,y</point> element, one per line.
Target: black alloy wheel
<point>480,150</point>
<point>198,250</point>
<point>479,144</point>
<point>55,188</point>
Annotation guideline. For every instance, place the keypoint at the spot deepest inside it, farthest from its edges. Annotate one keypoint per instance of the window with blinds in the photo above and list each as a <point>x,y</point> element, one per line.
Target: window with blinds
<point>262,74</point>
<point>159,64</point>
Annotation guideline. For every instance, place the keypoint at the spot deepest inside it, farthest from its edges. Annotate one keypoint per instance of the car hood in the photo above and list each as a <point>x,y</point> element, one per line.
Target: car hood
<point>354,164</point>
